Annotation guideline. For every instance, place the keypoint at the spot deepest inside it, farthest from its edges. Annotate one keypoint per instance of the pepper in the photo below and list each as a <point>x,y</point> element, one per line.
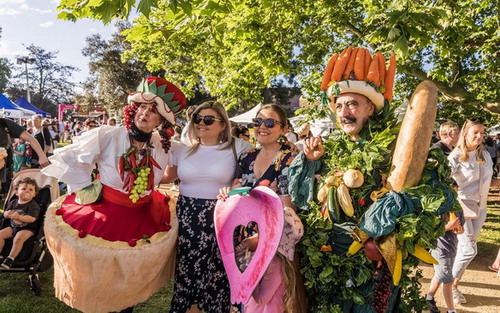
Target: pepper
<point>133,160</point>
<point>121,167</point>
<point>151,180</point>
<point>152,160</point>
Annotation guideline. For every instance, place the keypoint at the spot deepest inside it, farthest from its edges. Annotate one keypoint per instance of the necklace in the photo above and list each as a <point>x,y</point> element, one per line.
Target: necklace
<point>137,177</point>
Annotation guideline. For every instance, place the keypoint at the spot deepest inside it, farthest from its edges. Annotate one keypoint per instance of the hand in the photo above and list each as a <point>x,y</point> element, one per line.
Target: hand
<point>249,243</point>
<point>452,224</point>
<point>8,214</point>
<point>313,148</point>
<point>43,161</point>
<point>223,193</point>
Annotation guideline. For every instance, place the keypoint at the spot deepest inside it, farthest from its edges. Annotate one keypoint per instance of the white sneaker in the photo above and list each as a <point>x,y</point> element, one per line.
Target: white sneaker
<point>458,297</point>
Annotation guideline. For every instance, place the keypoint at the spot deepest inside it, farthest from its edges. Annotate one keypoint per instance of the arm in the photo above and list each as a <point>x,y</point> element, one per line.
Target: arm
<point>22,218</point>
<point>170,175</point>
<point>269,284</point>
<point>42,158</point>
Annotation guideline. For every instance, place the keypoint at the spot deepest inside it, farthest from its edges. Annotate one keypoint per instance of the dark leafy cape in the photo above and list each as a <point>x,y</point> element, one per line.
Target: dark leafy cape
<point>337,282</point>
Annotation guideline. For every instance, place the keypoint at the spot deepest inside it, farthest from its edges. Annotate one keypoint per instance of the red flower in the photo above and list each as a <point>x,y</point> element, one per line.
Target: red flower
<point>132,242</point>
<point>82,234</point>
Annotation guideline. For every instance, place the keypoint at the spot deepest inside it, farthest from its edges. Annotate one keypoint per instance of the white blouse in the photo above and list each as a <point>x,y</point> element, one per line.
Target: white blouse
<point>467,176</point>
<point>207,170</point>
<point>103,146</point>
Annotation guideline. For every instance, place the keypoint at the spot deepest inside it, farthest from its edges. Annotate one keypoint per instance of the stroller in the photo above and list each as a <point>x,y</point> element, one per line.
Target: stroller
<point>34,257</point>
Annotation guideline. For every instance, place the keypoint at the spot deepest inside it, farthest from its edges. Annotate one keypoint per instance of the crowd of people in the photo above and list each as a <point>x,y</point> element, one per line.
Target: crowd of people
<point>126,234</point>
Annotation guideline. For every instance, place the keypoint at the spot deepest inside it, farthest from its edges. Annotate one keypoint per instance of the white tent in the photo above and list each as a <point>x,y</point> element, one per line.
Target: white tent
<point>321,127</point>
<point>246,118</point>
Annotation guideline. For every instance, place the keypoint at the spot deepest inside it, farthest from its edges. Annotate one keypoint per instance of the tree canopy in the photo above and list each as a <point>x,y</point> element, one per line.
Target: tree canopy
<point>235,48</point>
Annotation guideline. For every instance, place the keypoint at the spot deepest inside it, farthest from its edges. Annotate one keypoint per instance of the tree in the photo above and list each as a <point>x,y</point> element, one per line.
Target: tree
<point>5,71</point>
<point>237,47</point>
<point>49,80</point>
<point>111,77</point>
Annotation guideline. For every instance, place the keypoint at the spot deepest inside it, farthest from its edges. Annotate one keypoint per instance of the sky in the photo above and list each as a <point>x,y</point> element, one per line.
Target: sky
<point>26,22</point>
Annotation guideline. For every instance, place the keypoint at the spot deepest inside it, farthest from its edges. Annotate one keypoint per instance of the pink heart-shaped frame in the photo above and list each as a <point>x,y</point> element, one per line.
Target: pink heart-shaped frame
<point>263,206</point>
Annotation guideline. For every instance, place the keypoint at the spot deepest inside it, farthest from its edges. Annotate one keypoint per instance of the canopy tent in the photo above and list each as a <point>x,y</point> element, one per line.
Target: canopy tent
<point>320,127</point>
<point>246,118</point>
<point>11,110</point>
<point>23,103</point>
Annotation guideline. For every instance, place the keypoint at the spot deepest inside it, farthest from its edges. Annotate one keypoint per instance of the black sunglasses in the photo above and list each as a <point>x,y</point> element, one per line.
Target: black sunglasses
<point>269,122</point>
<point>207,119</point>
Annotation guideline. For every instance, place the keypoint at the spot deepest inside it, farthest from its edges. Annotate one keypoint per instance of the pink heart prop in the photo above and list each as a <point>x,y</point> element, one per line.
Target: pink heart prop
<point>263,206</point>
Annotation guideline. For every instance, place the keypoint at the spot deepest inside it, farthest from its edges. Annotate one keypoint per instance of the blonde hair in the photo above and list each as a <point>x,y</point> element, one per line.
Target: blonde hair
<point>289,274</point>
<point>447,128</point>
<point>225,134</point>
<point>462,143</point>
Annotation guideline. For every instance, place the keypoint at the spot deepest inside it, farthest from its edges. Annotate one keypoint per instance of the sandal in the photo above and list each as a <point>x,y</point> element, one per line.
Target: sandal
<point>493,269</point>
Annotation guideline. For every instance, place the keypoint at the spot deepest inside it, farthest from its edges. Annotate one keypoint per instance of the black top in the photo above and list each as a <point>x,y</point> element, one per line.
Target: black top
<point>30,208</point>
<point>15,131</point>
<point>442,146</point>
<point>43,139</point>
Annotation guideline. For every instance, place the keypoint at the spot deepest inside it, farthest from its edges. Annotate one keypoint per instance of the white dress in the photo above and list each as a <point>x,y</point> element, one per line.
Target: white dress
<point>111,254</point>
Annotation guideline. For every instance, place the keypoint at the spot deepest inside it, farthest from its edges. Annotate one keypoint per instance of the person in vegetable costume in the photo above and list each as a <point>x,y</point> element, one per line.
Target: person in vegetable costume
<point>371,221</point>
<point>113,239</point>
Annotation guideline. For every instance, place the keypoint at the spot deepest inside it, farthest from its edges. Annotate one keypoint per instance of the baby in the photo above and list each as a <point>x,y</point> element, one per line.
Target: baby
<point>22,212</point>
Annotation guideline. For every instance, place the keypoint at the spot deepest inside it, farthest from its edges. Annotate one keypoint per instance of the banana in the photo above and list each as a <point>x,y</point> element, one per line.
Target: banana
<point>423,255</point>
<point>345,200</point>
<point>354,247</point>
<point>398,268</point>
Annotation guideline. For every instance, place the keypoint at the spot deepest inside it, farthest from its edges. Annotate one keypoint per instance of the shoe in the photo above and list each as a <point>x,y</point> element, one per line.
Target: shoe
<point>431,305</point>
<point>7,264</point>
<point>493,269</point>
<point>458,297</point>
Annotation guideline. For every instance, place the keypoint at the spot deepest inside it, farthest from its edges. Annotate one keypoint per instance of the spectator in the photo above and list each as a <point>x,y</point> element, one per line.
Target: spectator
<point>19,155</point>
<point>243,133</point>
<point>9,130</point>
<point>492,148</point>
<point>304,132</point>
<point>204,163</point>
<point>22,212</point>
<point>472,171</point>
<point>112,122</point>
<point>448,132</point>
<point>42,135</point>
<point>290,134</point>
<point>77,129</point>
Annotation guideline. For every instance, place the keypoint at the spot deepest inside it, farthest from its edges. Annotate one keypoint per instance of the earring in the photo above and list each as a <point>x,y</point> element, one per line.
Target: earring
<point>281,139</point>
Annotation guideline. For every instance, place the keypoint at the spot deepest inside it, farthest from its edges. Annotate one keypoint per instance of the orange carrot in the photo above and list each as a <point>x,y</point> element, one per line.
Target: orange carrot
<point>341,64</point>
<point>328,72</point>
<point>350,65</point>
<point>359,65</point>
<point>373,75</point>
<point>381,68</point>
<point>368,61</point>
<point>389,78</point>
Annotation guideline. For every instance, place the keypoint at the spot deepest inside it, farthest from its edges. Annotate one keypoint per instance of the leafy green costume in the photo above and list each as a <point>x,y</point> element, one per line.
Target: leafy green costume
<point>335,281</point>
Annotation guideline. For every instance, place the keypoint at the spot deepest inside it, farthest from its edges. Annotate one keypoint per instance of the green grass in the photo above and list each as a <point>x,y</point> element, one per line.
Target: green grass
<point>16,297</point>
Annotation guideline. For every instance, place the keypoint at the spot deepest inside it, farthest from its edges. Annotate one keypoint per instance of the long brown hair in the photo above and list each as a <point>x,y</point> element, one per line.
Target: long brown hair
<point>462,142</point>
<point>225,135</point>
<point>289,274</point>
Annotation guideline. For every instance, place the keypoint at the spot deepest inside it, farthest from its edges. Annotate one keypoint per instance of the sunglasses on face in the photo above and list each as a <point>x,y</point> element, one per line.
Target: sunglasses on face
<point>207,119</point>
<point>268,122</point>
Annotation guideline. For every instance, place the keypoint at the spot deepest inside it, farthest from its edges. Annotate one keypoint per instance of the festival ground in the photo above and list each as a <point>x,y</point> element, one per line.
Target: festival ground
<point>479,285</point>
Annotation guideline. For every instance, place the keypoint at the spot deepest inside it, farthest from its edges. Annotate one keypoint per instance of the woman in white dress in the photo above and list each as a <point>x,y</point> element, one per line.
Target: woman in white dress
<point>112,238</point>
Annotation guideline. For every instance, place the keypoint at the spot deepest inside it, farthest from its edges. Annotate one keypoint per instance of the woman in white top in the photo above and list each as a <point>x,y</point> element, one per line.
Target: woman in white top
<point>204,164</point>
<point>472,170</point>
<point>111,248</point>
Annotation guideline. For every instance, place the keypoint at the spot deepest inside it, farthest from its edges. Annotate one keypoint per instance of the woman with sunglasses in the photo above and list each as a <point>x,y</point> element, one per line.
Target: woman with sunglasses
<point>266,166</point>
<point>471,167</point>
<point>204,163</point>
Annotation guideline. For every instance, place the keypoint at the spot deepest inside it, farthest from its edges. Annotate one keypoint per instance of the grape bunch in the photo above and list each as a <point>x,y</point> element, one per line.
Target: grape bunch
<point>381,289</point>
<point>140,184</point>
<point>129,114</point>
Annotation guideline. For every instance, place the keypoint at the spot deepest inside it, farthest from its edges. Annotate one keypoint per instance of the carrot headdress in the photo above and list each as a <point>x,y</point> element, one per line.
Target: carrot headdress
<point>356,70</point>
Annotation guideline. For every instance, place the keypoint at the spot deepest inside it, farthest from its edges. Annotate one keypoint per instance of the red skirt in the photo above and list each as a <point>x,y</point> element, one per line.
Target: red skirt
<point>116,218</point>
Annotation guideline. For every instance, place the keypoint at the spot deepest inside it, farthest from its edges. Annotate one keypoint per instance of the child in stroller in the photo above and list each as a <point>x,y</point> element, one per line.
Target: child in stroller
<point>22,212</point>
<point>34,256</point>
